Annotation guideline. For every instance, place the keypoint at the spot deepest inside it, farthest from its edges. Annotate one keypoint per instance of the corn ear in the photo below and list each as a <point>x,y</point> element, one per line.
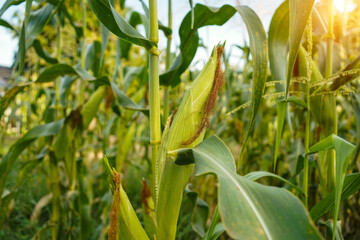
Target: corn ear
<point>185,128</point>
<point>124,223</point>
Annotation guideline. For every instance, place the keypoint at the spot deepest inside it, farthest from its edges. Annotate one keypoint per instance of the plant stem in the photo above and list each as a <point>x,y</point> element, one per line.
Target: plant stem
<point>330,39</point>
<point>154,91</point>
<point>307,130</point>
<point>83,45</point>
<point>167,65</point>
<point>329,57</point>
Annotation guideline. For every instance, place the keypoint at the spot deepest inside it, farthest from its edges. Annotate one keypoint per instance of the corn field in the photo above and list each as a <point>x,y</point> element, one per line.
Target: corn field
<point>106,135</point>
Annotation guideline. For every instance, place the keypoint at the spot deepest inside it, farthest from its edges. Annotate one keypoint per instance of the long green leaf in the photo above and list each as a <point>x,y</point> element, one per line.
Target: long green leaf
<point>9,159</point>
<point>344,150</point>
<point>125,101</point>
<point>345,79</point>
<point>6,24</point>
<point>259,53</point>
<point>203,16</point>
<point>278,44</point>
<point>9,3</point>
<point>253,176</point>
<point>57,70</point>
<point>248,209</point>
<point>117,25</point>
<point>31,28</point>
<point>200,212</point>
<point>92,105</point>
<point>281,114</point>
<point>299,13</point>
<point>22,48</point>
<point>43,53</point>
<point>351,186</point>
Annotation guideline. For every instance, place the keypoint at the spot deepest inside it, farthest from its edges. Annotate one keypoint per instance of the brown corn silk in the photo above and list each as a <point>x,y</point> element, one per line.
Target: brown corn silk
<point>210,103</point>
<point>114,214</point>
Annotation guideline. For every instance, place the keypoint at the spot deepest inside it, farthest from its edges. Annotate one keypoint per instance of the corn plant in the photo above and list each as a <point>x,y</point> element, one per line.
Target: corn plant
<point>98,156</point>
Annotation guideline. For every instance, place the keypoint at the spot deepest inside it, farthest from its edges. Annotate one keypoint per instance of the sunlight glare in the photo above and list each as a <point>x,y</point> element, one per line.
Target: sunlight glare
<point>339,4</point>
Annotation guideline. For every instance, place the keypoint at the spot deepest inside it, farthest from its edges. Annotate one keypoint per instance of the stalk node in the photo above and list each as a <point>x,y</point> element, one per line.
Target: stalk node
<point>154,51</point>
<point>155,142</point>
<point>330,36</point>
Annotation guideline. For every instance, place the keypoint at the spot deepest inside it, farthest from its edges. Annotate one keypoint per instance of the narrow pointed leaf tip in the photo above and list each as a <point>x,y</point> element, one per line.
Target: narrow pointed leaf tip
<point>344,151</point>
<point>108,16</point>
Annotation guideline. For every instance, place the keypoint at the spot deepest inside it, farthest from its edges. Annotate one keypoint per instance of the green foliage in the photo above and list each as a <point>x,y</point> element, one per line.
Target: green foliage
<point>202,16</point>
<point>83,154</point>
<point>269,212</point>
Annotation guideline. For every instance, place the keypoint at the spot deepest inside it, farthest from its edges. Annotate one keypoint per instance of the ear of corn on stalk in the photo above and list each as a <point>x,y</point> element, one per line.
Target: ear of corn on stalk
<point>124,223</point>
<point>185,128</point>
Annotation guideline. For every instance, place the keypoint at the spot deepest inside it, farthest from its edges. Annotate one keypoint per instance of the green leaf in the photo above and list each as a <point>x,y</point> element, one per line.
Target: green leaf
<point>9,3</point>
<point>104,43</point>
<point>347,78</point>
<point>299,13</point>
<point>6,198</point>
<point>42,53</point>
<point>296,100</point>
<point>200,212</point>
<point>253,176</point>
<point>219,229</point>
<point>57,70</point>
<point>167,31</point>
<point>94,57</point>
<point>212,232</point>
<point>281,114</point>
<point>78,30</point>
<point>91,107</point>
<point>36,22</point>
<point>125,101</point>
<point>22,49</point>
<point>248,209</point>
<point>124,46</point>
<point>65,84</point>
<point>131,72</point>
<point>329,228</point>
<point>278,42</point>
<point>31,28</point>
<point>8,161</point>
<point>9,96</point>
<point>203,16</point>
<point>6,24</point>
<point>259,53</point>
<point>117,25</point>
<point>351,186</point>
<point>344,150</point>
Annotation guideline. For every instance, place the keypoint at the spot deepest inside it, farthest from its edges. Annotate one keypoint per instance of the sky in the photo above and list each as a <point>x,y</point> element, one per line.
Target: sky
<point>234,31</point>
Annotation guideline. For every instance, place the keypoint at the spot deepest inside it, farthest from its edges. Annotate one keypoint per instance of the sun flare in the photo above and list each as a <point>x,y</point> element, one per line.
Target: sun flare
<point>342,5</point>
